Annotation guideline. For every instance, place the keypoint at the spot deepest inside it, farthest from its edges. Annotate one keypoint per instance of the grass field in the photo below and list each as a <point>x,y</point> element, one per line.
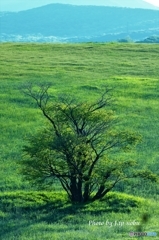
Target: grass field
<point>132,70</point>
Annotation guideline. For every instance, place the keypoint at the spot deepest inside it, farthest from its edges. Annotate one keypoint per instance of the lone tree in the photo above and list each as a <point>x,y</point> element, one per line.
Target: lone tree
<point>75,147</point>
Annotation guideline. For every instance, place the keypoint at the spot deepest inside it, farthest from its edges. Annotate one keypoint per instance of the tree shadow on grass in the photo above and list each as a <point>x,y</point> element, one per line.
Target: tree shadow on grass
<point>22,210</point>
<point>75,213</point>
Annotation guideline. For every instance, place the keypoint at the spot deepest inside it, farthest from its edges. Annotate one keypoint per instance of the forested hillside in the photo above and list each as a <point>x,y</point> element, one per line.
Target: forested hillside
<point>69,23</point>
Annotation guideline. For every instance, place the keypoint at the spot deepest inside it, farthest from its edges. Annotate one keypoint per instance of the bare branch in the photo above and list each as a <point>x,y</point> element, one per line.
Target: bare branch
<point>41,98</point>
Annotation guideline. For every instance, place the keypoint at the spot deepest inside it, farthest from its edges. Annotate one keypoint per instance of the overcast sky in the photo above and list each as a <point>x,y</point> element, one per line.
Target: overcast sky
<point>19,5</point>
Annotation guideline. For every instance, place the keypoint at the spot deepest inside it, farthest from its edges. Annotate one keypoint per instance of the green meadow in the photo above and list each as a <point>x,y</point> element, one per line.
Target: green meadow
<point>81,70</point>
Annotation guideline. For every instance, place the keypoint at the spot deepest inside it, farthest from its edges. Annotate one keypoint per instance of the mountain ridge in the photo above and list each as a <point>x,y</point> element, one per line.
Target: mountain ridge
<point>81,23</point>
<point>113,3</point>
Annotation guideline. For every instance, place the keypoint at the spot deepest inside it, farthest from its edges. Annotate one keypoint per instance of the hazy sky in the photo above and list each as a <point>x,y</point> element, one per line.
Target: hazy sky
<point>19,5</point>
<point>154,2</point>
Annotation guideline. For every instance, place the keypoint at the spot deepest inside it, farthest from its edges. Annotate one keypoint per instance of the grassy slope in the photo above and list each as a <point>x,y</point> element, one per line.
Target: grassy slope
<point>44,215</point>
<point>81,69</point>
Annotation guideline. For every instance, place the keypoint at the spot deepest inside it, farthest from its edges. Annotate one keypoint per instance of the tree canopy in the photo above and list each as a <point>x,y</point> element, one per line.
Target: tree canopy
<point>79,146</point>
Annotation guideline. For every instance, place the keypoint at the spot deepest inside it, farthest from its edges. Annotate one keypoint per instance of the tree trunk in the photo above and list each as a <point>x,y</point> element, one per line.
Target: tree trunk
<point>76,190</point>
<point>99,193</point>
<point>86,192</point>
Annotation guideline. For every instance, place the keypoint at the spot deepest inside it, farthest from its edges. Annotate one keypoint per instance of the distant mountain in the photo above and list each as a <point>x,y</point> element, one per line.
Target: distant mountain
<point>110,3</point>
<point>69,23</point>
<point>113,3</point>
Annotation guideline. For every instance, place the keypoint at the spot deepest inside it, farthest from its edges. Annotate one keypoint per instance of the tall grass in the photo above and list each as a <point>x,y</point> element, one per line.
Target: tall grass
<point>82,70</point>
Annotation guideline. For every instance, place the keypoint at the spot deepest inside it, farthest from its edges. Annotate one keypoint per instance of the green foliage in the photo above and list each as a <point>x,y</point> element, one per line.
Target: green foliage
<point>147,175</point>
<point>77,145</point>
